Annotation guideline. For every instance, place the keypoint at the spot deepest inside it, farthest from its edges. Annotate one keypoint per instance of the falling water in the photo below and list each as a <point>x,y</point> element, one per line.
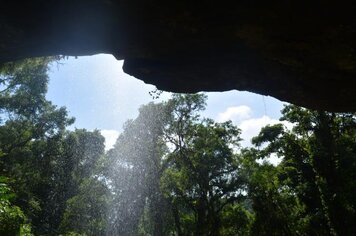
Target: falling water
<point>134,172</point>
<point>171,171</point>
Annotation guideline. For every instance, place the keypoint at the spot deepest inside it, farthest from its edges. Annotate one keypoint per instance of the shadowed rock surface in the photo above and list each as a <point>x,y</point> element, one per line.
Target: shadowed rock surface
<point>302,51</point>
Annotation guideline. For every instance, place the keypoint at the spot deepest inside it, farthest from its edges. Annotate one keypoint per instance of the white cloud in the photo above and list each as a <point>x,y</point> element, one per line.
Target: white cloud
<point>251,128</point>
<point>273,159</point>
<point>235,114</point>
<point>110,137</point>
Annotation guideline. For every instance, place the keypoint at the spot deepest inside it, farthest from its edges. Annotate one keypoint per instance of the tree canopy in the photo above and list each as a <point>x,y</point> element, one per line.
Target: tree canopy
<point>171,171</point>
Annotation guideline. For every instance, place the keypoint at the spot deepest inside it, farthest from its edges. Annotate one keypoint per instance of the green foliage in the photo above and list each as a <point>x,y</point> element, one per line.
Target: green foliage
<point>236,220</point>
<point>12,219</point>
<point>135,167</point>
<point>211,188</point>
<point>45,165</point>
<point>171,172</point>
<point>201,177</point>
<point>315,181</point>
<point>85,213</point>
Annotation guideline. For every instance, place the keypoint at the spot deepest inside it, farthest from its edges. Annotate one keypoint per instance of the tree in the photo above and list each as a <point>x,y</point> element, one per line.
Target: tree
<point>318,167</point>
<point>85,213</point>
<point>47,167</point>
<point>29,124</point>
<point>73,161</point>
<point>135,168</point>
<point>81,182</point>
<point>276,210</point>
<point>171,172</point>
<point>202,178</point>
<point>12,219</point>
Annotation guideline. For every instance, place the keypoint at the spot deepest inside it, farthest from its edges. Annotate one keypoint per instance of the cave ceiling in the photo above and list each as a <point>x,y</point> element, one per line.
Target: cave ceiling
<point>303,52</point>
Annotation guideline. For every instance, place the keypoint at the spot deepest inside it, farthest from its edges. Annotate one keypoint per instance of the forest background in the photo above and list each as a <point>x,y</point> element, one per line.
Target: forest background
<point>171,171</point>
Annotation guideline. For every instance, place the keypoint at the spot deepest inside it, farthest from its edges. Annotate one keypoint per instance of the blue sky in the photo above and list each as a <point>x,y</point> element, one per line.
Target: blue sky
<point>100,95</point>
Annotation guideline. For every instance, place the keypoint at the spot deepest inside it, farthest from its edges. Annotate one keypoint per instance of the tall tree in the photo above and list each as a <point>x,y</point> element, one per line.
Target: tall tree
<point>202,176</point>
<point>73,162</point>
<point>318,166</point>
<point>135,168</point>
<point>29,124</point>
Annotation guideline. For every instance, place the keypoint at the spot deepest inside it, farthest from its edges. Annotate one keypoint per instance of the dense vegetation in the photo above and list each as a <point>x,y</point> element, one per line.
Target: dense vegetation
<point>171,171</point>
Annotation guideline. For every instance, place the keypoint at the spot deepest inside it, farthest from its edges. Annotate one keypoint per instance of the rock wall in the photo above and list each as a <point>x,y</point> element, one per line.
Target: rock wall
<point>301,51</point>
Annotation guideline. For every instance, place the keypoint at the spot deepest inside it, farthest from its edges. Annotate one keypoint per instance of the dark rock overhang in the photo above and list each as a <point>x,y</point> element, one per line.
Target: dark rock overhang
<point>301,52</point>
